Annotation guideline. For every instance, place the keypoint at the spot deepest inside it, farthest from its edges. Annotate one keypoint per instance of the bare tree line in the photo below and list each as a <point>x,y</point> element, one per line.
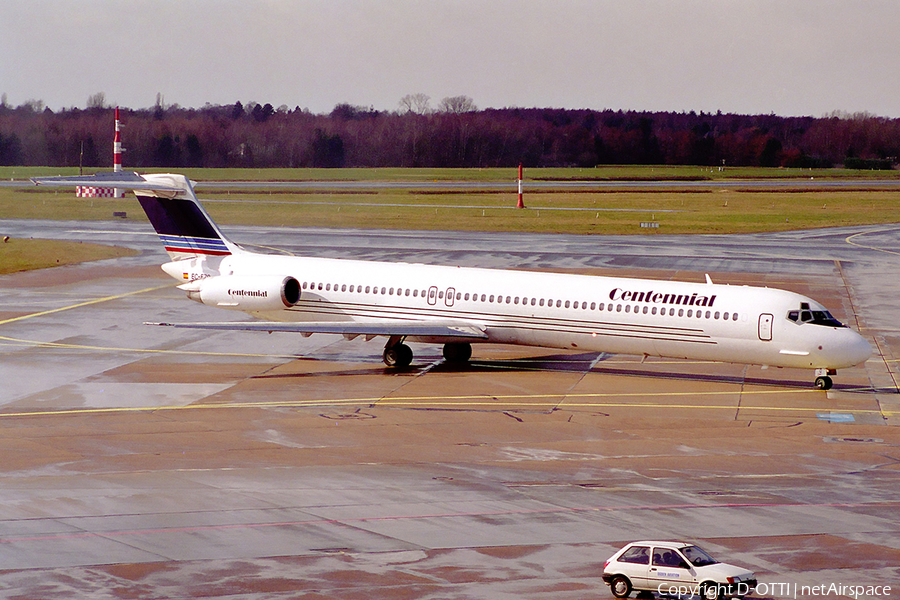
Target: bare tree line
<point>455,133</point>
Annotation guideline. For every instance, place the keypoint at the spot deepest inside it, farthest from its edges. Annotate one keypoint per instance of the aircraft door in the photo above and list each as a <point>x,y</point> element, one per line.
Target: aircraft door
<point>432,295</point>
<point>450,296</point>
<point>765,327</point>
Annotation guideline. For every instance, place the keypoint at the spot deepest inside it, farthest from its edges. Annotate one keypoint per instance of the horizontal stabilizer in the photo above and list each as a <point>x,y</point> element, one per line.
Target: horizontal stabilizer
<point>128,180</point>
<point>440,329</point>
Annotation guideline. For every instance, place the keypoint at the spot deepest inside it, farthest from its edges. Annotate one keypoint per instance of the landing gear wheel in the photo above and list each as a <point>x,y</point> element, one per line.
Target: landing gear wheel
<point>823,383</point>
<point>457,353</point>
<point>398,355</point>
<point>620,586</point>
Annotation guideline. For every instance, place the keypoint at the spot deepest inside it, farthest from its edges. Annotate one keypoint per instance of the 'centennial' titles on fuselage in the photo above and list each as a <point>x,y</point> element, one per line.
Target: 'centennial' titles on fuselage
<point>661,298</point>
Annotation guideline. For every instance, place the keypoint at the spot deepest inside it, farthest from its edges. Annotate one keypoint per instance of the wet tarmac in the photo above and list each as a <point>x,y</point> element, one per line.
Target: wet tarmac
<point>143,462</point>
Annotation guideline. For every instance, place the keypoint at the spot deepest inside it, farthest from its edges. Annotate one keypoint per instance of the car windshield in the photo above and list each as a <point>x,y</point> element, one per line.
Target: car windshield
<point>697,556</point>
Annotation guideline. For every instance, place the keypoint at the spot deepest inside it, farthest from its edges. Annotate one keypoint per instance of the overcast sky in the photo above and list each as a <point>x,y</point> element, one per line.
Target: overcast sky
<point>788,57</point>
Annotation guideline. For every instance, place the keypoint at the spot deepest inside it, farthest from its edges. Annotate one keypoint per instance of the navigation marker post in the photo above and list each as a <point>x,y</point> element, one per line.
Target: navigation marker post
<point>91,191</point>
<point>117,154</point>
<point>521,204</point>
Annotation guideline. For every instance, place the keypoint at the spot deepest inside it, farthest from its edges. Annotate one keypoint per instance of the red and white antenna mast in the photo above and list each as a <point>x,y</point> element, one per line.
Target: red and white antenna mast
<point>117,153</point>
<point>520,204</point>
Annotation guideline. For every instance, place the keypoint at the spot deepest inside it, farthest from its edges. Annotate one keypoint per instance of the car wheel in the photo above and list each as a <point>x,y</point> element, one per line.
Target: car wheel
<point>709,591</point>
<point>620,586</point>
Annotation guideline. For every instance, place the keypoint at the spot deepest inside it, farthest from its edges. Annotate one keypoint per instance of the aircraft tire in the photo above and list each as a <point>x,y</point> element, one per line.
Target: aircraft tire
<point>398,355</point>
<point>457,353</point>
<point>824,383</point>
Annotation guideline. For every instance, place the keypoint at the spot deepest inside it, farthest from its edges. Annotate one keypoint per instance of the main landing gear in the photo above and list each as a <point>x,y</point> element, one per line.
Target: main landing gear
<point>823,381</point>
<point>399,355</point>
<point>396,353</point>
<point>458,353</point>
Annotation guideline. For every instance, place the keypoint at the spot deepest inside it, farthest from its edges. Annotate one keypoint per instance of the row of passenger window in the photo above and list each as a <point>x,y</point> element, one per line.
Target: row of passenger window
<point>499,299</point>
<point>369,289</point>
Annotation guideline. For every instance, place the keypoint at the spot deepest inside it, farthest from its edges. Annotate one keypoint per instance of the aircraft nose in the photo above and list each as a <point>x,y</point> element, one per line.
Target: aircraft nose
<point>859,350</point>
<point>847,349</point>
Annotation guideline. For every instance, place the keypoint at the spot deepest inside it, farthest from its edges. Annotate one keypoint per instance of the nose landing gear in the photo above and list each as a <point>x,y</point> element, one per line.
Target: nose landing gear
<point>823,381</point>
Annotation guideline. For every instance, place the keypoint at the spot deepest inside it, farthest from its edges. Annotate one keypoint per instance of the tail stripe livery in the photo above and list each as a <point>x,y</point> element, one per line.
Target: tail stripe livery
<point>183,227</point>
<point>194,245</point>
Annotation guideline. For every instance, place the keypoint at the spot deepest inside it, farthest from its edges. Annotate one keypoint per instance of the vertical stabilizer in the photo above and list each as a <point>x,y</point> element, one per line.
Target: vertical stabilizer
<point>183,226</point>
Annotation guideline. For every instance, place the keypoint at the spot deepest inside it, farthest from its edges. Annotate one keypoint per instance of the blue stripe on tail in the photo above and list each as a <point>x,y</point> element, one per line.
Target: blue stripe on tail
<point>183,226</point>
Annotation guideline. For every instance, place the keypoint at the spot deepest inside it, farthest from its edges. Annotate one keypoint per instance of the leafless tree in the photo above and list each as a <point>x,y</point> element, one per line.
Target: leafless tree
<point>415,103</point>
<point>457,105</point>
<point>97,100</point>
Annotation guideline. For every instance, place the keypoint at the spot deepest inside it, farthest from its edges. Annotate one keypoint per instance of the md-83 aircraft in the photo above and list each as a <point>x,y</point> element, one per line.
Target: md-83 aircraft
<point>459,306</point>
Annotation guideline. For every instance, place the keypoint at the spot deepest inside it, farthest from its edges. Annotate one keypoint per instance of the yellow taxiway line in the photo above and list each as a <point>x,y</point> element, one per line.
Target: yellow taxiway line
<point>85,303</point>
<point>559,401</point>
<point>849,240</point>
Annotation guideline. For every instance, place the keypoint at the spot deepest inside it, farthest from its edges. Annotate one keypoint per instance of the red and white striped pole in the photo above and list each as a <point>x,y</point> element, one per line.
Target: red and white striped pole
<point>117,154</point>
<point>521,204</point>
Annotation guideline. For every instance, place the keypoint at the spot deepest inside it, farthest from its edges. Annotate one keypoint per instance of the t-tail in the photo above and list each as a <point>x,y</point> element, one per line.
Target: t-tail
<point>184,227</point>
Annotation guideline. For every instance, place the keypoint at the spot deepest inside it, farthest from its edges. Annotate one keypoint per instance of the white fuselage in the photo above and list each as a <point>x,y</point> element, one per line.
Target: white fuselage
<point>704,321</point>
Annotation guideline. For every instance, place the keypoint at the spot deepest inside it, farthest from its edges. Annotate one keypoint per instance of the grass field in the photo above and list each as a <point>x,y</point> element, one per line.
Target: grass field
<point>24,255</point>
<point>725,211</point>
<point>585,211</point>
<point>603,173</point>
<point>677,211</point>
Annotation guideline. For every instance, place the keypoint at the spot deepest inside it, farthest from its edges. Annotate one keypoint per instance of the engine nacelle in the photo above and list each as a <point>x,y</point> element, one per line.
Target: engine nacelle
<point>246,292</point>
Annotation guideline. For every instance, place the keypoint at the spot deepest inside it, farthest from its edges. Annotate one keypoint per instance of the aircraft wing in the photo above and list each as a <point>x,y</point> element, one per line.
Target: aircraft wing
<point>351,329</point>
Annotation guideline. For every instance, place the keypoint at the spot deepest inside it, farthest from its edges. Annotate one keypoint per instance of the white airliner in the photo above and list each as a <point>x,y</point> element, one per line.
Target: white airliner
<point>459,306</point>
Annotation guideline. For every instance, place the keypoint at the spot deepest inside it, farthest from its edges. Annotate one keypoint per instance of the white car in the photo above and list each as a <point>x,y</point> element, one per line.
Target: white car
<point>673,569</point>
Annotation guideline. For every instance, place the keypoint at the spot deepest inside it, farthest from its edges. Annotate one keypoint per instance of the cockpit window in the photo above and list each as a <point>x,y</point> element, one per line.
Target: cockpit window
<point>814,317</point>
